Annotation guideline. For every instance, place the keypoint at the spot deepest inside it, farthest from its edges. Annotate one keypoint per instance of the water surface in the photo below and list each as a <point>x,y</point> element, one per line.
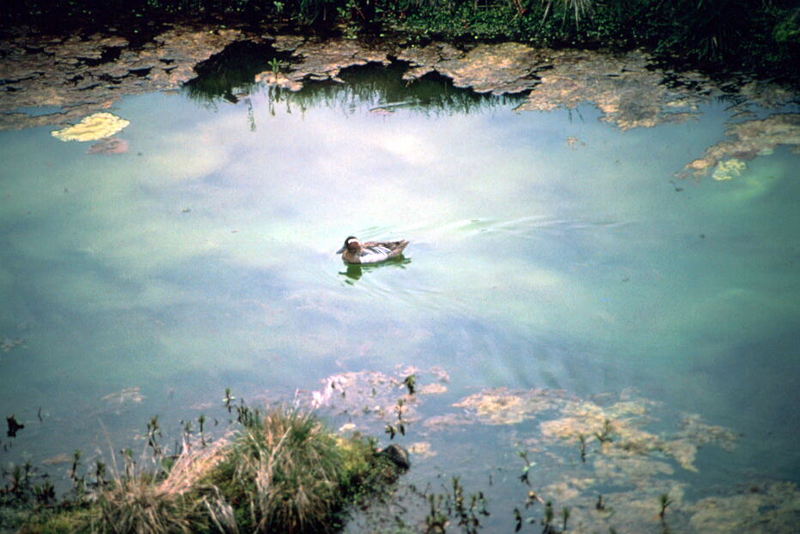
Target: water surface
<point>548,250</point>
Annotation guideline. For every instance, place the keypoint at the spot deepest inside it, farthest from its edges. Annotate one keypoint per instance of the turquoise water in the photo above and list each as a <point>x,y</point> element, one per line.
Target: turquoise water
<point>203,258</point>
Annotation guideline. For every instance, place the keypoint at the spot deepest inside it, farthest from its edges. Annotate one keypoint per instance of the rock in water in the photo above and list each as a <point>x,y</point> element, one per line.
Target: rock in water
<point>398,455</point>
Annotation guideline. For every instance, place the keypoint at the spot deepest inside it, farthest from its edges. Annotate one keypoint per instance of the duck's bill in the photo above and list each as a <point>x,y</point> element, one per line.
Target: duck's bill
<point>341,250</point>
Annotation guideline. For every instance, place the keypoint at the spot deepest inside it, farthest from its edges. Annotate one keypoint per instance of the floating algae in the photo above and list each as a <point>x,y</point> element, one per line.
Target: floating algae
<point>748,139</point>
<point>501,406</point>
<point>629,466</point>
<point>728,169</point>
<point>772,509</point>
<point>92,128</point>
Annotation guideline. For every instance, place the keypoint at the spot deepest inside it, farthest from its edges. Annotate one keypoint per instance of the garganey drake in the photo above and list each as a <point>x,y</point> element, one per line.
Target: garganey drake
<point>354,251</point>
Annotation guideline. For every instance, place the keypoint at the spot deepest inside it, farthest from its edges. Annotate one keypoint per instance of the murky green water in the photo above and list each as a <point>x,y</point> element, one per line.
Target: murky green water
<point>204,258</point>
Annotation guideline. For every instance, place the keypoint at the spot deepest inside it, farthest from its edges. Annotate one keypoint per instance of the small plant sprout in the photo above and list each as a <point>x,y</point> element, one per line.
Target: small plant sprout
<point>78,482</point>
<point>548,513</point>
<point>76,462</point>
<point>153,433</point>
<point>582,440</point>
<point>606,433</point>
<point>228,400</point>
<point>528,464</point>
<point>100,474</point>
<point>401,424</point>
<point>187,428</point>
<point>411,383</point>
<point>275,65</point>
<point>436,521</point>
<point>600,506</point>
<point>664,501</point>
<point>201,421</point>
<point>565,518</point>
<point>517,520</point>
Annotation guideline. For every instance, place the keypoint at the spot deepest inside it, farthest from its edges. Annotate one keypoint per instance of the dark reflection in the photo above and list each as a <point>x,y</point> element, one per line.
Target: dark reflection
<point>384,89</point>
<point>231,73</point>
<point>353,273</point>
<point>229,76</point>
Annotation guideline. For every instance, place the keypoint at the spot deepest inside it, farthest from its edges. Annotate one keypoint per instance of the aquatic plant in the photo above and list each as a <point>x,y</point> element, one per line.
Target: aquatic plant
<point>436,520</point>
<point>454,504</point>
<point>526,468</point>
<point>548,517</point>
<point>400,425</point>
<point>605,434</point>
<point>411,383</point>
<point>153,434</point>
<point>600,506</point>
<point>664,502</point>
<point>228,400</point>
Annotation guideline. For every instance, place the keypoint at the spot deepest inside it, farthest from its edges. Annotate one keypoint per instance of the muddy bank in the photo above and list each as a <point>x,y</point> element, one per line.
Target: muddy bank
<point>56,80</point>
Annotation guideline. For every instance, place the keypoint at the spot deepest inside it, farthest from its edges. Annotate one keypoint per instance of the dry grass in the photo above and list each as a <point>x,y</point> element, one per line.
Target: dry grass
<point>136,505</point>
<point>288,468</point>
<point>193,465</point>
<point>144,504</point>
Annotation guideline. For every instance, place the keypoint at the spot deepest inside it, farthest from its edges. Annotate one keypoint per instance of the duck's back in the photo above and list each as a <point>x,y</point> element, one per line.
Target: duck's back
<point>374,251</point>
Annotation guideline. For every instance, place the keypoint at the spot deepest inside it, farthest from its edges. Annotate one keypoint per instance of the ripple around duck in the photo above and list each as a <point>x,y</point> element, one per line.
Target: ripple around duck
<point>524,227</point>
<point>440,253</point>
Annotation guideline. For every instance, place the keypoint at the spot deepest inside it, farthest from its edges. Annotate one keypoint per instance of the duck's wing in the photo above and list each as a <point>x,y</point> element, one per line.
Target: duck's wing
<point>374,252</point>
<point>379,251</point>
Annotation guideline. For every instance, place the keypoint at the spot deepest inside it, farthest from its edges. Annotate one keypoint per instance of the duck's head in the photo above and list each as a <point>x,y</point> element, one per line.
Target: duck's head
<point>351,244</point>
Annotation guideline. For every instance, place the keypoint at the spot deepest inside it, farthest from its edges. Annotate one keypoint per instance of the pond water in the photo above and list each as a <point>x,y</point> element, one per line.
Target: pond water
<point>549,251</point>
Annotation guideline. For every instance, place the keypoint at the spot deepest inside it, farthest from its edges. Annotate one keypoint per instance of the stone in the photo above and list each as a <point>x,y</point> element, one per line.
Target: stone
<point>398,455</point>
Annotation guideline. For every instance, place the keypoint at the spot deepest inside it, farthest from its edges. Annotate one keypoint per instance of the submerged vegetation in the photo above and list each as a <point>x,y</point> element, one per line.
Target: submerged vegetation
<point>282,471</point>
<point>760,36</point>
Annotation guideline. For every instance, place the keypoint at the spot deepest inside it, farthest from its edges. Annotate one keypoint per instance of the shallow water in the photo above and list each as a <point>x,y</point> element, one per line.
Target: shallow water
<point>203,258</point>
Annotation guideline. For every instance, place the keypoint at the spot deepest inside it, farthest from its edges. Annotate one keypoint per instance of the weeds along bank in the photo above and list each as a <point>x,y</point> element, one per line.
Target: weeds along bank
<point>755,36</point>
<point>281,471</point>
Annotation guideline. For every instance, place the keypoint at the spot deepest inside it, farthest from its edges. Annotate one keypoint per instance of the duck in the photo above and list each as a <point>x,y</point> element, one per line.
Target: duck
<point>354,251</point>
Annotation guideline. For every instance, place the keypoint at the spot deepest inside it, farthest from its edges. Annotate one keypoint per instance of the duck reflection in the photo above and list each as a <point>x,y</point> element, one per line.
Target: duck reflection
<point>354,271</point>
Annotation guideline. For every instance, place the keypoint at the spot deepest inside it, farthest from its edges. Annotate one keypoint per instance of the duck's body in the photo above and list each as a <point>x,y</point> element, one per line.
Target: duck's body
<point>354,251</point>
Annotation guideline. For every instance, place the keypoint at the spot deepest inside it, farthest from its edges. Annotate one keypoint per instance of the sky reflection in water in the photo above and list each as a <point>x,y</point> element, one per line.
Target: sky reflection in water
<point>204,259</point>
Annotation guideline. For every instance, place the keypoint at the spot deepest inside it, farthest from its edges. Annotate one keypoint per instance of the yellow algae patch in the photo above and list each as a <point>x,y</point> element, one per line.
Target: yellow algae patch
<point>502,407</point>
<point>747,140</point>
<point>683,451</point>
<point>728,169</point>
<point>92,128</point>
<point>432,389</point>
<point>774,510</point>
<point>615,430</point>
<point>422,449</point>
